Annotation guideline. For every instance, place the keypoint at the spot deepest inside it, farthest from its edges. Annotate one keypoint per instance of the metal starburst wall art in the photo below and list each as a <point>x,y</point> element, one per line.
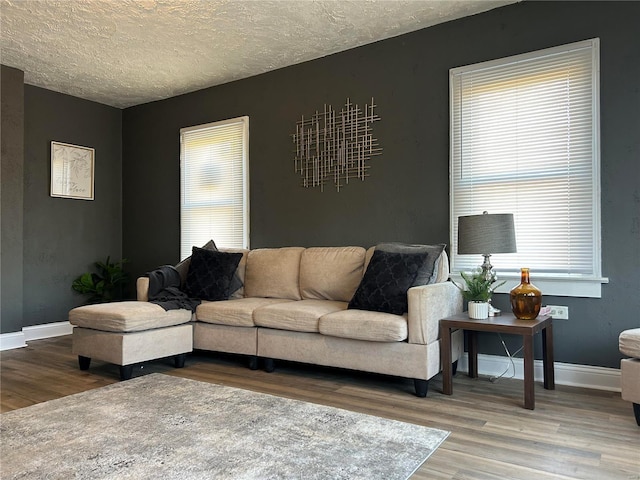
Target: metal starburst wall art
<point>335,146</point>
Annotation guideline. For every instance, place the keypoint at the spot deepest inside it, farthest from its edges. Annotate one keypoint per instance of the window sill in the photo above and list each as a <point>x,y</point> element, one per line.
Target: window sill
<point>554,286</point>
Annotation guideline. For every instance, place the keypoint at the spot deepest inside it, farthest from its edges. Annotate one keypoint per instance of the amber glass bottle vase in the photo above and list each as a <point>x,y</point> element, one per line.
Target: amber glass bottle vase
<point>526,298</point>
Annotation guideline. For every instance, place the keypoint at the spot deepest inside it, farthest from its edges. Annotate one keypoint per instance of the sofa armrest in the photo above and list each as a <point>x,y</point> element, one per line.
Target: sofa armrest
<point>142,289</point>
<point>427,305</point>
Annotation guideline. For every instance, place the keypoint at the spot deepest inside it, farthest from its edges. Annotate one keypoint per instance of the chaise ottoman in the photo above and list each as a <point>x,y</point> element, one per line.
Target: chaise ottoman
<point>126,333</point>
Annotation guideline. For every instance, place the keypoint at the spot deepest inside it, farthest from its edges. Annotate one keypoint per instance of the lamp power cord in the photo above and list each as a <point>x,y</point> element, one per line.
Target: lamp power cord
<point>510,365</point>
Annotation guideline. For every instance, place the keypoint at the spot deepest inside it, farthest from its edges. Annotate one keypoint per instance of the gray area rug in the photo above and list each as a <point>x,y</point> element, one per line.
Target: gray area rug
<point>159,426</point>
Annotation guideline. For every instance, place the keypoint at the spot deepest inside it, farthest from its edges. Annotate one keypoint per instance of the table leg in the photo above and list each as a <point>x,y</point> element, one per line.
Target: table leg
<point>472,345</point>
<point>547,357</point>
<point>445,360</point>
<point>529,393</point>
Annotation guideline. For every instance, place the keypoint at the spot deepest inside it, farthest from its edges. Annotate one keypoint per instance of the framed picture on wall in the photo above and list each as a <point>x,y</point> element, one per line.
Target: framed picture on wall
<point>72,170</point>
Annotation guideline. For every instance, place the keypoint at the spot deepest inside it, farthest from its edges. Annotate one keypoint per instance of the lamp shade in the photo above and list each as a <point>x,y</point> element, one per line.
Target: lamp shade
<point>486,234</point>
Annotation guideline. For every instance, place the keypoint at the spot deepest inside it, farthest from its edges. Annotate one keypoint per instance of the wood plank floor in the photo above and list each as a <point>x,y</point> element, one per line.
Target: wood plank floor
<point>572,434</point>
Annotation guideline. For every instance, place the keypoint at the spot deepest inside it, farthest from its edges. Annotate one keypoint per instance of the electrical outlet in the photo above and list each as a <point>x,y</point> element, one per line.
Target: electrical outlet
<point>559,312</point>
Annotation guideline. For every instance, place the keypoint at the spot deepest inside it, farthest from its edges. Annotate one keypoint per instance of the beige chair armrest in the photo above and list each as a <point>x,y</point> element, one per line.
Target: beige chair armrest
<point>427,305</point>
<point>142,288</point>
<point>629,342</point>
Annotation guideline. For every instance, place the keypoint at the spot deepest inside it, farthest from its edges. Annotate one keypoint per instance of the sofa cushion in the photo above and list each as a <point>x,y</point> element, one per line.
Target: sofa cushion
<point>126,316</point>
<point>300,316</point>
<point>237,312</point>
<point>367,257</point>
<point>441,268</point>
<point>210,274</point>
<point>427,272</point>
<point>363,325</point>
<point>386,281</point>
<point>273,273</point>
<point>331,273</point>
<point>629,342</point>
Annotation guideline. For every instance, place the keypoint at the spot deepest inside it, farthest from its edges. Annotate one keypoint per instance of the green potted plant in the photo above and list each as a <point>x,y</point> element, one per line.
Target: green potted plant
<point>104,285</point>
<point>479,287</point>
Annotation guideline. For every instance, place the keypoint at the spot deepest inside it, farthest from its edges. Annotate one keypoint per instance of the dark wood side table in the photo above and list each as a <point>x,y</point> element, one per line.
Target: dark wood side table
<point>506,323</point>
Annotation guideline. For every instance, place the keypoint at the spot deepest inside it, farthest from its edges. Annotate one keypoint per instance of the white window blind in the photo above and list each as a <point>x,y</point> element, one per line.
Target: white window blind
<point>525,140</point>
<point>214,185</point>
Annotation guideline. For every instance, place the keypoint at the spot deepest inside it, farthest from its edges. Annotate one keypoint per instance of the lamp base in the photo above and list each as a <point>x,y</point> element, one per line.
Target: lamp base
<point>493,311</point>
<point>488,272</point>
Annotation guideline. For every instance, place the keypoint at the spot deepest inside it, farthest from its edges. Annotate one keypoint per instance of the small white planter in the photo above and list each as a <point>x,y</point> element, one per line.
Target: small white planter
<point>478,310</point>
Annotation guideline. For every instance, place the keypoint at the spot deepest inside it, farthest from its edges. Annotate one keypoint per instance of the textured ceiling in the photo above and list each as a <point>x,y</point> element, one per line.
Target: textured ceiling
<point>128,52</point>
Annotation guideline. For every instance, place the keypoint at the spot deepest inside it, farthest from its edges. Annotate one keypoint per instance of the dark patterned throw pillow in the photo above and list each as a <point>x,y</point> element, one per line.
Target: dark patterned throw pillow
<point>386,281</point>
<point>426,273</point>
<point>210,274</point>
<point>183,270</point>
<point>183,266</point>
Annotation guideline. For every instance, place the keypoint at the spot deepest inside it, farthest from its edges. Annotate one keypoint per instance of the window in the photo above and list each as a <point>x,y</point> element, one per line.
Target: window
<point>214,179</point>
<point>525,140</point>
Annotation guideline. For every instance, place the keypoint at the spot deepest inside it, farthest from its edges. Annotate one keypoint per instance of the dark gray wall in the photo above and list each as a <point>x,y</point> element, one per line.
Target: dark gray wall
<point>63,237</point>
<point>11,193</point>
<point>406,196</point>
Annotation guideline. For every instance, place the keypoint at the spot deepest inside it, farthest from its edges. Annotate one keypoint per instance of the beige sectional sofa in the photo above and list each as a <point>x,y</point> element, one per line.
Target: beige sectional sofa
<point>293,306</point>
<point>629,344</point>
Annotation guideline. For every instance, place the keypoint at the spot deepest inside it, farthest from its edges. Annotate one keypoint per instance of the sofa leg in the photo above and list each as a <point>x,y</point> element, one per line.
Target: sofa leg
<point>126,371</point>
<point>84,362</point>
<point>636,412</point>
<point>454,368</point>
<point>178,360</point>
<point>253,362</point>
<point>269,365</point>
<point>421,387</point>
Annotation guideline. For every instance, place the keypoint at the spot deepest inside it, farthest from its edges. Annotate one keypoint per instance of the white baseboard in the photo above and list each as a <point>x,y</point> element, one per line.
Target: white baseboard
<point>585,376</point>
<point>48,330</point>
<point>13,340</point>
<point>9,341</point>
